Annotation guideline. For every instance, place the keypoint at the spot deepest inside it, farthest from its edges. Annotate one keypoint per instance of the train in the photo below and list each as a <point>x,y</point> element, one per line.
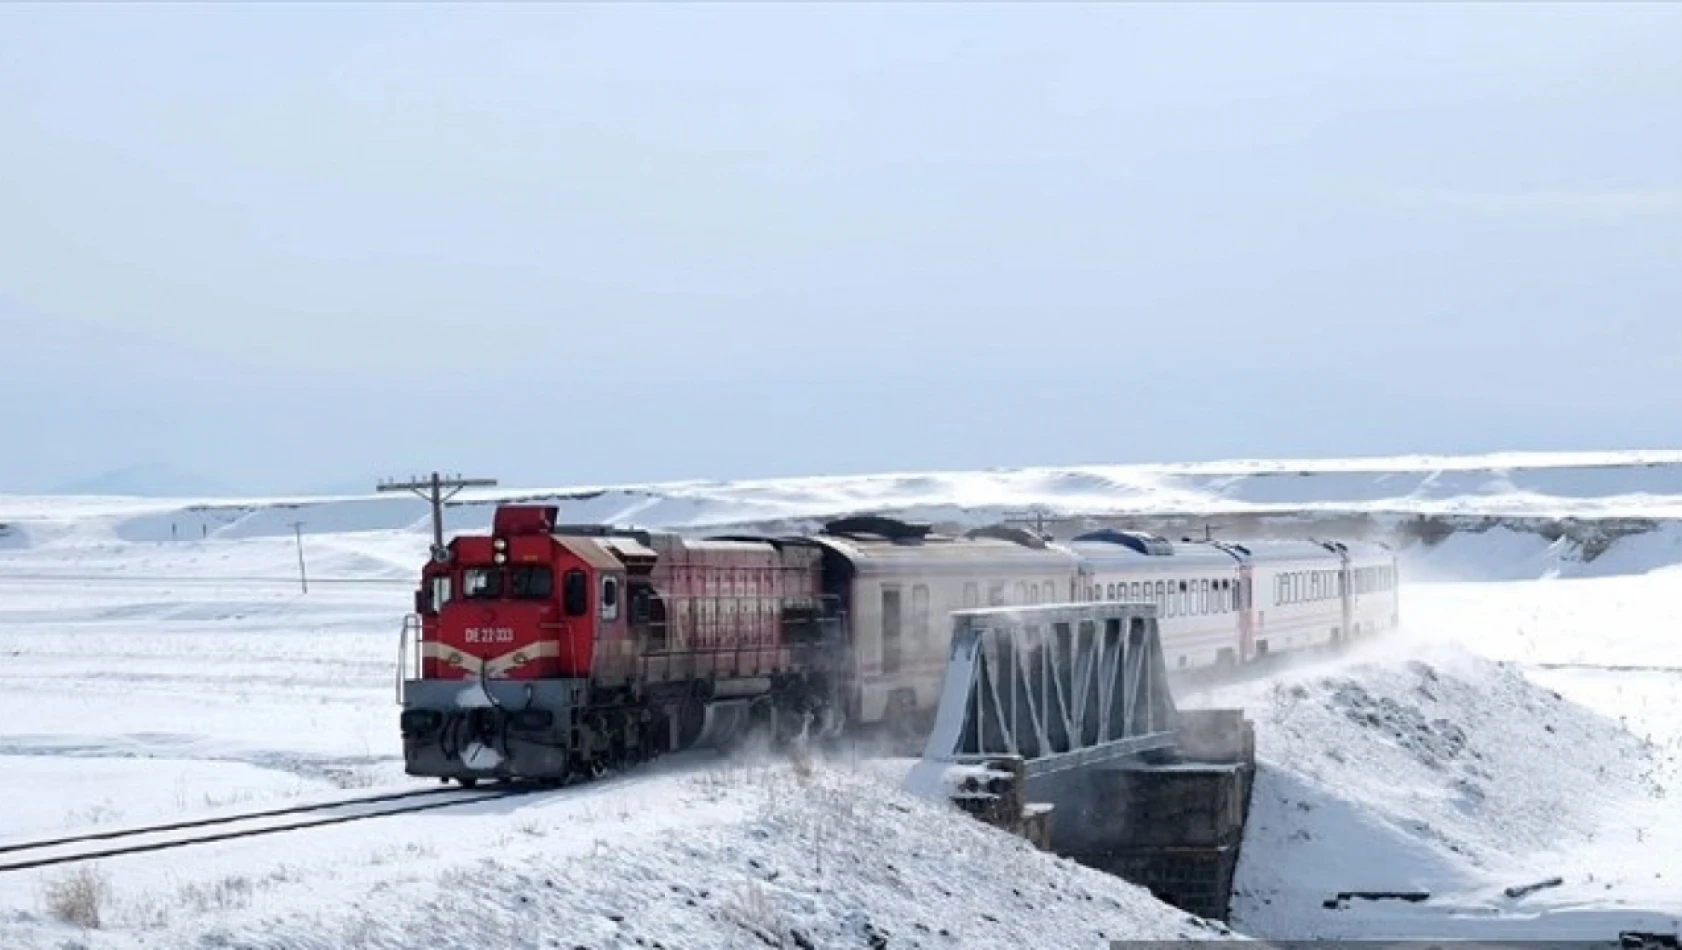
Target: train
<point>543,651</point>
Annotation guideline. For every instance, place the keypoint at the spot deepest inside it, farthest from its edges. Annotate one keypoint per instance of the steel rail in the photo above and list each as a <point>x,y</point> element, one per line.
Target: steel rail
<point>463,797</point>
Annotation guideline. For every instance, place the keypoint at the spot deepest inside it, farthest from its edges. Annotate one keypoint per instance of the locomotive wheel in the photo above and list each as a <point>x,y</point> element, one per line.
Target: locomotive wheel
<point>691,717</point>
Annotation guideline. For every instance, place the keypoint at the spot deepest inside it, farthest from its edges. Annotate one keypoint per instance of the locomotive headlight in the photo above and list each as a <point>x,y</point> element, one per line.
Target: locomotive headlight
<point>500,558</point>
<point>500,544</point>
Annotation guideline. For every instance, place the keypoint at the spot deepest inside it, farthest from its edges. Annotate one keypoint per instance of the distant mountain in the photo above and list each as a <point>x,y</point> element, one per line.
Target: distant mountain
<point>159,480</point>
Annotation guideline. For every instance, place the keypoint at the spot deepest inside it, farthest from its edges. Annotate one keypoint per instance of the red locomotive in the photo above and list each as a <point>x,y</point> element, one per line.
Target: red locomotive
<point>548,650</point>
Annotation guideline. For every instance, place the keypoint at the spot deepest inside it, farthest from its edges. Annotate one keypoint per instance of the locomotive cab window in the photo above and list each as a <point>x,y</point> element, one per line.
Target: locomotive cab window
<point>481,583</point>
<point>533,582</point>
<point>440,592</point>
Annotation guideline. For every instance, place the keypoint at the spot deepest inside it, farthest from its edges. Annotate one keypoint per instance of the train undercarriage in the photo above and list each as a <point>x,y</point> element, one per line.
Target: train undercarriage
<point>558,731</point>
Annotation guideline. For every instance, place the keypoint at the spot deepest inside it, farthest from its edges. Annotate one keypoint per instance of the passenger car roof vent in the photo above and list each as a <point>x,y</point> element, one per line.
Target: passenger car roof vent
<point>891,529</point>
<point>1136,540</point>
<point>1000,532</point>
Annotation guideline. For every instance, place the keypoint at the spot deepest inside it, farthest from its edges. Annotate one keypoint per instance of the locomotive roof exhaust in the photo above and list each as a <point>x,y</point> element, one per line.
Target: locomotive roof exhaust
<point>524,519</point>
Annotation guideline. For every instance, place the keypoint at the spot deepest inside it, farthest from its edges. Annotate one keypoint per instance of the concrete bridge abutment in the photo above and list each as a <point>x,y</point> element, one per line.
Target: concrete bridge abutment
<point>1175,825</point>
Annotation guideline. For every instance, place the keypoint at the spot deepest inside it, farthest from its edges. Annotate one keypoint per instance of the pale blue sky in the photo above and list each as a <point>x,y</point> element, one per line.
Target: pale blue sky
<point>297,246</point>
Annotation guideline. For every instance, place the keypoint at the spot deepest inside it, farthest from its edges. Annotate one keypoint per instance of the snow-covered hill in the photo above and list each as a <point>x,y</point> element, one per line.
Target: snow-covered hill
<point>1556,513</point>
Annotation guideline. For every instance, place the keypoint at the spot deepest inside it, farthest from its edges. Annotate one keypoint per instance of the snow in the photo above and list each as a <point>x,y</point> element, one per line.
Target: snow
<point>161,662</point>
<point>89,790</point>
<point>148,681</point>
<point>1503,739</point>
<point>1644,484</point>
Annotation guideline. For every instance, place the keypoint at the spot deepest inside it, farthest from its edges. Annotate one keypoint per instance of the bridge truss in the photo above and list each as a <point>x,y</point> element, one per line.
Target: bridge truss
<point>1060,686</point>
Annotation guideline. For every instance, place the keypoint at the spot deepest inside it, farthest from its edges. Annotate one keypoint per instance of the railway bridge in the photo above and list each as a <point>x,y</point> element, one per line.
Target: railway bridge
<point>1058,722</point>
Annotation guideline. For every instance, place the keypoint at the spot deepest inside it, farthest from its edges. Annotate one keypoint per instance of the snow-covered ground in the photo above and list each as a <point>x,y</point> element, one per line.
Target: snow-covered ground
<point>1514,733</point>
<point>160,661</point>
<point>147,681</point>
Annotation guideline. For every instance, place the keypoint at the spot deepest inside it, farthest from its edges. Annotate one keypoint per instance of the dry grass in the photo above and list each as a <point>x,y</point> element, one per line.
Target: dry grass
<point>92,815</point>
<point>752,910</point>
<point>228,893</point>
<point>80,897</point>
<point>351,778</point>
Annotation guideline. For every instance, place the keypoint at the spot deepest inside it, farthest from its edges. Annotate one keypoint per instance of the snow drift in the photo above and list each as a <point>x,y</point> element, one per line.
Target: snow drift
<point>1425,769</point>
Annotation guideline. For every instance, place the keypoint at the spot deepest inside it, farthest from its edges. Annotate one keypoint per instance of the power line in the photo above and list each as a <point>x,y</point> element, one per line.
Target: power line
<point>433,491</point>
<point>229,581</point>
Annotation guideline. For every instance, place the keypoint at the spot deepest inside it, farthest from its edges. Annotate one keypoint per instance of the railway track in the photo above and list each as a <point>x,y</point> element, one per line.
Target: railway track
<point>45,852</point>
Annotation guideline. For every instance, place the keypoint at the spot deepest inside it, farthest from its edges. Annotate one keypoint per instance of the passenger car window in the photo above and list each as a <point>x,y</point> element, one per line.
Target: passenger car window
<point>920,614</point>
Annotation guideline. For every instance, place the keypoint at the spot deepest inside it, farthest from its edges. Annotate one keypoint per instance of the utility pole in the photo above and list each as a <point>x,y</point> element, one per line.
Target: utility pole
<point>1038,513</point>
<point>303,575</point>
<point>436,490</point>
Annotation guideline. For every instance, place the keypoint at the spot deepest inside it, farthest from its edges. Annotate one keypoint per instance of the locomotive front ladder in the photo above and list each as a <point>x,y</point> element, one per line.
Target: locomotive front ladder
<point>1060,686</point>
